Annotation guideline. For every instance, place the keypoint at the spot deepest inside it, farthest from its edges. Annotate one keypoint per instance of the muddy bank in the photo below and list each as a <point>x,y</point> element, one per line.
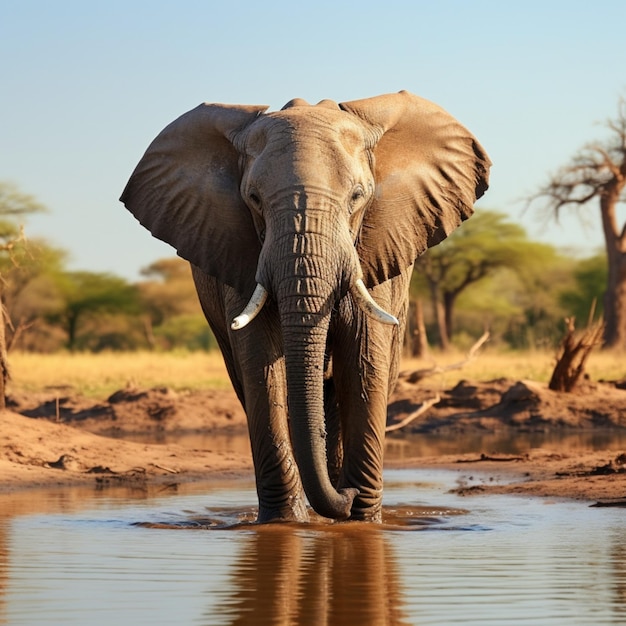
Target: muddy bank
<point>57,440</point>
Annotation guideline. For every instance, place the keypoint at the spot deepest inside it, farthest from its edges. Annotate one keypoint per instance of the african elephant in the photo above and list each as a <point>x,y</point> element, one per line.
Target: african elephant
<point>302,226</point>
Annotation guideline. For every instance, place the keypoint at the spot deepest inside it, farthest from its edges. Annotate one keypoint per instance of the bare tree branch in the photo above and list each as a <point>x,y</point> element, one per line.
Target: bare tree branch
<point>412,416</point>
<point>598,171</point>
<point>417,375</point>
<point>17,332</point>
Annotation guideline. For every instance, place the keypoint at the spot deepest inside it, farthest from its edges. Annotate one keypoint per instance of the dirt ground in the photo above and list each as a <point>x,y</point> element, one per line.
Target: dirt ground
<point>51,440</point>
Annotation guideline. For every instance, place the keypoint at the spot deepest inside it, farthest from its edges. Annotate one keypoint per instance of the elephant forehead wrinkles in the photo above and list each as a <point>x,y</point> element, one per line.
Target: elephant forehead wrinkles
<point>304,152</point>
<point>303,245</point>
<point>309,261</point>
<point>307,126</point>
<point>310,266</point>
<point>309,304</point>
<point>308,199</point>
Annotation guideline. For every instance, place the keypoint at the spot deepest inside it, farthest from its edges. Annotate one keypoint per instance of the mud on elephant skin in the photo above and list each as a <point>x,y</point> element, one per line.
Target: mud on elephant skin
<point>302,226</point>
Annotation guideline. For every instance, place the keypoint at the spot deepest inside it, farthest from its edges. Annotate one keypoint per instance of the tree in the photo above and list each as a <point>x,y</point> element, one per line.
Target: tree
<point>172,314</point>
<point>598,172</point>
<point>31,293</point>
<point>519,305</point>
<point>13,206</point>
<point>86,294</point>
<point>480,248</point>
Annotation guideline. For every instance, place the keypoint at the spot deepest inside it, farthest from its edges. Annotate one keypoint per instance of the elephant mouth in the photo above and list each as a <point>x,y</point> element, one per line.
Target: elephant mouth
<point>358,290</point>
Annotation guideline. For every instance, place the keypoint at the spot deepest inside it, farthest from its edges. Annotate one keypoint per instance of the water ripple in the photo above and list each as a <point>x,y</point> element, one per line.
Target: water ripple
<point>484,560</point>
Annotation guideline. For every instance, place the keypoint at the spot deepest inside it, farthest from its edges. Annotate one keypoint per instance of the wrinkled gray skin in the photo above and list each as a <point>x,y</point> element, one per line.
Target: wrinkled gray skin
<point>305,201</point>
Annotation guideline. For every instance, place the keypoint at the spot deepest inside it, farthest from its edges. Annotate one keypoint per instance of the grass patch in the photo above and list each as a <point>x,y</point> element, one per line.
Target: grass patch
<point>99,375</point>
<point>525,365</point>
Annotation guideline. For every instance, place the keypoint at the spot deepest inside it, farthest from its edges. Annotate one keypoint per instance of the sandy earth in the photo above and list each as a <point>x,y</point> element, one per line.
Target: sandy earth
<point>49,441</point>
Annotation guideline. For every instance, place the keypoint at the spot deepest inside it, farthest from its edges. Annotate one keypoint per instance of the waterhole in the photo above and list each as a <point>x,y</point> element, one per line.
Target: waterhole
<point>190,554</point>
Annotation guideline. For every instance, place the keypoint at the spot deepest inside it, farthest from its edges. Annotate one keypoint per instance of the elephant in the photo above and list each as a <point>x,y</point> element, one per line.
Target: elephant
<point>301,227</point>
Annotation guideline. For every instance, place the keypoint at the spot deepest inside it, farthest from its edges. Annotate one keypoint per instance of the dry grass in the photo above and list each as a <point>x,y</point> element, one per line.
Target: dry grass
<point>99,375</point>
<point>527,365</point>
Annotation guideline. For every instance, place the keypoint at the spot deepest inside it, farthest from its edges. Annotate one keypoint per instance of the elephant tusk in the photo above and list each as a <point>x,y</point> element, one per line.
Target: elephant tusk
<point>252,309</point>
<point>369,305</point>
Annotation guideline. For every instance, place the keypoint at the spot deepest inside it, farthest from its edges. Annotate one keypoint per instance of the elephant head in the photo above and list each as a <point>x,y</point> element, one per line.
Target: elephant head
<point>309,204</point>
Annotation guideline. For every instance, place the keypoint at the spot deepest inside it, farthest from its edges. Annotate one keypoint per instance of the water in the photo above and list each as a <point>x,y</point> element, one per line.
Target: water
<point>189,555</point>
<point>410,446</point>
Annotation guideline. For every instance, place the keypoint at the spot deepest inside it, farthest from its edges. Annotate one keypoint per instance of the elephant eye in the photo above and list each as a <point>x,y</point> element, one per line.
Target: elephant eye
<point>357,194</point>
<point>255,200</point>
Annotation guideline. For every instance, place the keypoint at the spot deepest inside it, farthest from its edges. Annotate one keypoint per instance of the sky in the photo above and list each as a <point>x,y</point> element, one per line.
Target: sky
<point>86,86</point>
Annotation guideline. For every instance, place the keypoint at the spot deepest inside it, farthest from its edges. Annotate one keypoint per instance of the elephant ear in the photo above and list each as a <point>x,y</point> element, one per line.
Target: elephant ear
<point>185,191</point>
<point>429,171</point>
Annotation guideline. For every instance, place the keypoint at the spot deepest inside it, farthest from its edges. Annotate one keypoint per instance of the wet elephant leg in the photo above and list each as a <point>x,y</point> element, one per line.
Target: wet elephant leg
<point>366,356</point>
<point>253,357</point>
<point>363,408</point>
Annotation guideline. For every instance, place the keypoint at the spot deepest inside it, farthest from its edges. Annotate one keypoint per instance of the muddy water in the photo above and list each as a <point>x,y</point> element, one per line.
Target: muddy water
<point>189,555</point>
<point>418,445</point>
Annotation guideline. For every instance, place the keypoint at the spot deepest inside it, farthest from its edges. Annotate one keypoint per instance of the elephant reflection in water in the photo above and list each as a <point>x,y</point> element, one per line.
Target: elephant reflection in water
<point>4,565</point>
<point>333,576</point>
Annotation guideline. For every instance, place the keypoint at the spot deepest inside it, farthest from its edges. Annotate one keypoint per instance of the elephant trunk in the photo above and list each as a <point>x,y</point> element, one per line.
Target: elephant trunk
<point>309,274</point>
<point>305,344</point>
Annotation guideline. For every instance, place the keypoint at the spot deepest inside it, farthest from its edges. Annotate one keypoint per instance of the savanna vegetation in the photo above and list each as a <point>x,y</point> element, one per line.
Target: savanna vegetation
<point>488,275</point>
<point>98,375</point>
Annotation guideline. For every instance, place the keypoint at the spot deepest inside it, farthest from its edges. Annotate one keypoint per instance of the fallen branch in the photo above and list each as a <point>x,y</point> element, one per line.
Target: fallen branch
<point>418,375</point>
<point>498,459</point>
<point>165,469</point>
<point>412,416</point>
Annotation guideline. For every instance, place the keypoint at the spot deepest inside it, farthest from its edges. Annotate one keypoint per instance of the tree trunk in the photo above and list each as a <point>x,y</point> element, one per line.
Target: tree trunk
<point>4,358</point>
<point>440,317</point>
<point>449,298</point>
<point>416,340</point>
<point>148,331</point>
<point>615,303</point>
<point>615,295</point>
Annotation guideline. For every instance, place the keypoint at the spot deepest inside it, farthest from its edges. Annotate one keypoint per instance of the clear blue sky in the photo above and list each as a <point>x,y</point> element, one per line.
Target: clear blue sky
<point>85,86</point>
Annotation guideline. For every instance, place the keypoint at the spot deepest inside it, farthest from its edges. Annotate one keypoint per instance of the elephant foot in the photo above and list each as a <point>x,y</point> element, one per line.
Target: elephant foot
<point>368,507</point>
<point>366,515</point>
<point>296,511</point>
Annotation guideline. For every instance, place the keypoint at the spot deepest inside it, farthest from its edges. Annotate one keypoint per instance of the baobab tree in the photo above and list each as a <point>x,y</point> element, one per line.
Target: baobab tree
<point>598,173</point>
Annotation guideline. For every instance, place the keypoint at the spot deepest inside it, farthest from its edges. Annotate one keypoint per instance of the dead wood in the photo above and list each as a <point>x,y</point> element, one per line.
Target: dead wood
<point>495,459</point>
<point>412,416</point>
<point>572,355</point>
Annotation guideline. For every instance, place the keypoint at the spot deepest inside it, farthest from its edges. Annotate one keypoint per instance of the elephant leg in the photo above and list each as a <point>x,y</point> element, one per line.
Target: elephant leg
<point>366,361</point>
<point>253,358</point>
<point>363,409</point>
